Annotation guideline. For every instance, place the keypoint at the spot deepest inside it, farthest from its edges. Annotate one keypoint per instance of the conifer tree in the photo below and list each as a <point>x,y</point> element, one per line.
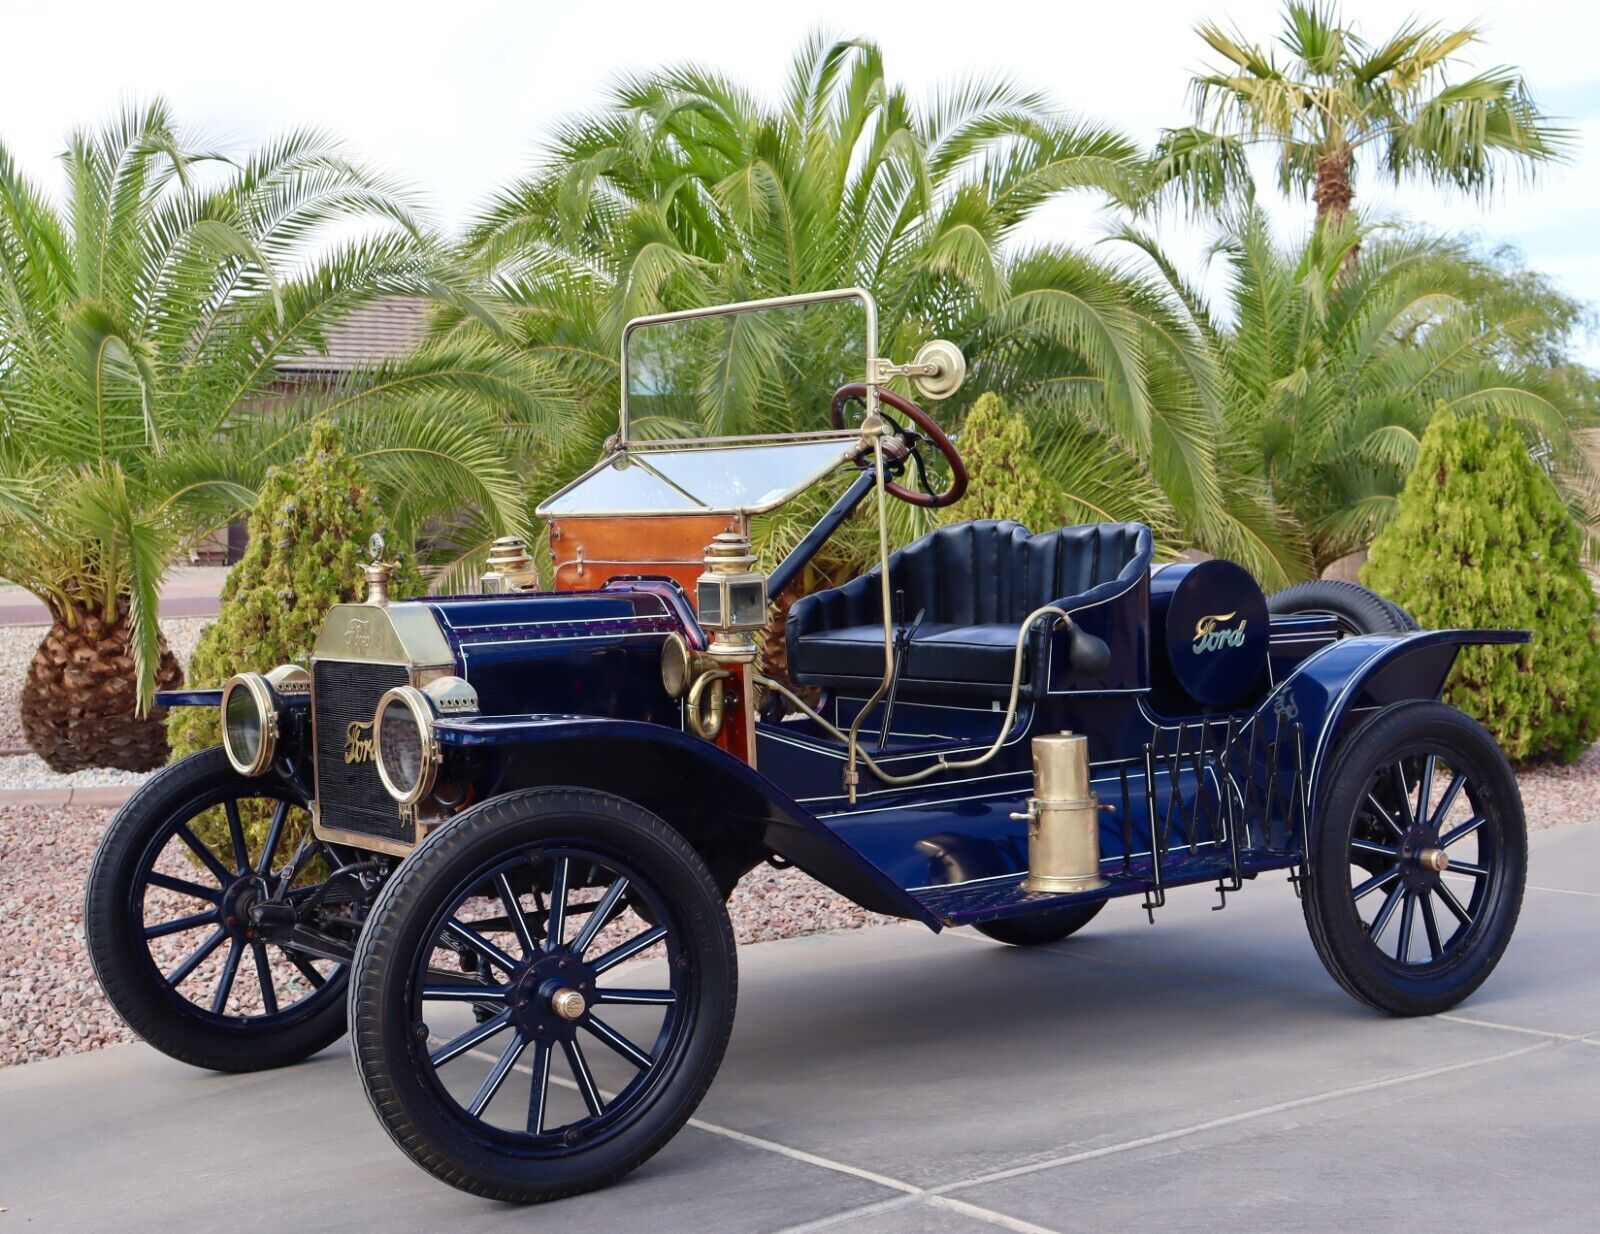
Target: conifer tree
<point>1482,539</point>
<point>308,537</point>
<point>1006,480</point>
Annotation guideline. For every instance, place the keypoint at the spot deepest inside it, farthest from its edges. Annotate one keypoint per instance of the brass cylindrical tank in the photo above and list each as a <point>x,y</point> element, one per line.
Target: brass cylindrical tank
<point>1063,818</point>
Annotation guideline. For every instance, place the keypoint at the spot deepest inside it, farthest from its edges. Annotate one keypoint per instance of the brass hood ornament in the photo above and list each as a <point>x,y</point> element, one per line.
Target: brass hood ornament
<point>378,572</point>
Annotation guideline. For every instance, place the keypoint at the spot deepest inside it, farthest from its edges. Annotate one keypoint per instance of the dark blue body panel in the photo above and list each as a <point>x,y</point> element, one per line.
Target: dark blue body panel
<point>570,692</point>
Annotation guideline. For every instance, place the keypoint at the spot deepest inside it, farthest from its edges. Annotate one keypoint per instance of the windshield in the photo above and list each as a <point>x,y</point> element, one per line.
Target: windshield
<point>749,478</point>
<point>756,369</point>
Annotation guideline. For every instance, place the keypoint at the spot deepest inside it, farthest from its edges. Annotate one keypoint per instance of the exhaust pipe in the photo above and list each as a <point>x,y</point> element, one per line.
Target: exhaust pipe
<point>1063,818</point>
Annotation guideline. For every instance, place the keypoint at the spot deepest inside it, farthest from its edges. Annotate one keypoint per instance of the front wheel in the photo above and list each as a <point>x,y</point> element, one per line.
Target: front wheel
<point>543,994</point>
<point>1417,870</point>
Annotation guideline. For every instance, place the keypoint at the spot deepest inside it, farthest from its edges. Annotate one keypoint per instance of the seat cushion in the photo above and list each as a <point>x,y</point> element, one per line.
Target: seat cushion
<point>939,653</point>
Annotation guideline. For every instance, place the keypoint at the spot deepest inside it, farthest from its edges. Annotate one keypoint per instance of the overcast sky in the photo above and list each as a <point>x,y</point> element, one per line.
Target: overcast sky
<point>457,97</point>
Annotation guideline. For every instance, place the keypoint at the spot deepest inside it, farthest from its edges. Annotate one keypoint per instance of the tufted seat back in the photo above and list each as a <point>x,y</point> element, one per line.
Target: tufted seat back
<point>974,582</point>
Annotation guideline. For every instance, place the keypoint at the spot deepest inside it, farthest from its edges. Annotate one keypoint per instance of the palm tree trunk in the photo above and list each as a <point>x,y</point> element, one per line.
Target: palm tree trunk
<point>79,703</point>
<point>1333,194</point>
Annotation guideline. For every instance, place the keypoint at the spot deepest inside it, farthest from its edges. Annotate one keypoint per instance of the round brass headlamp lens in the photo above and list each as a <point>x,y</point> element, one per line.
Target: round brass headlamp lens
<point>249,723</point>
<point>407,751</point>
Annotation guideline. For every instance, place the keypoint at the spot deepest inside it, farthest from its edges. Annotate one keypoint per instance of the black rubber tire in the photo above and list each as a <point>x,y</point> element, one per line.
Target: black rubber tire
<point>1037,929</point>
<point>1331,914</point>
<point>384,1045</point>
<point>131,983</point>
<point>1359,610</point>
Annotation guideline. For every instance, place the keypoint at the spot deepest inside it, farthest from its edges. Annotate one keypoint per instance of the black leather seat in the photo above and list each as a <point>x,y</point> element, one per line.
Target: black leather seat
<point>975,583</point>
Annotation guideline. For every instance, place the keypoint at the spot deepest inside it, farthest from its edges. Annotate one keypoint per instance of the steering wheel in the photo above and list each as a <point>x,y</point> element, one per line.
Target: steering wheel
<point>856,391</point>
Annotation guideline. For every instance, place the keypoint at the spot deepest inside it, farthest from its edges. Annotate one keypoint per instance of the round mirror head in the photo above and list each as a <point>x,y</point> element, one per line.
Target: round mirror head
<point>950,369</point>
<point>375,546</point>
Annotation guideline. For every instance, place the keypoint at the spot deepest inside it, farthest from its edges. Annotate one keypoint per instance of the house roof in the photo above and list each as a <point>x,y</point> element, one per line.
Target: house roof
<point>387,329</point>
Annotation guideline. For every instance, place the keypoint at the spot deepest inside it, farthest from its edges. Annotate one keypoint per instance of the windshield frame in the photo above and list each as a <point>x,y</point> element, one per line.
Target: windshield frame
<point>859,294</point>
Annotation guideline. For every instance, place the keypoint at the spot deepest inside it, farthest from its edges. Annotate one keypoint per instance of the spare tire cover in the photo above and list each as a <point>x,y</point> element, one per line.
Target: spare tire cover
<point>1214,622</point>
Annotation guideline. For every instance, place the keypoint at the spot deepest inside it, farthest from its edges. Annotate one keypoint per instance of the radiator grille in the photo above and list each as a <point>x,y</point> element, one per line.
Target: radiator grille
<point>349,795</point>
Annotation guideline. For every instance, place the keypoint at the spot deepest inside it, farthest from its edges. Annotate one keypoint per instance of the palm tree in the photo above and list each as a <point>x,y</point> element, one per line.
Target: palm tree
<point>1329,378</point>
<point>687,189</point>
<point>1338,100</point>
<point>141,320</point>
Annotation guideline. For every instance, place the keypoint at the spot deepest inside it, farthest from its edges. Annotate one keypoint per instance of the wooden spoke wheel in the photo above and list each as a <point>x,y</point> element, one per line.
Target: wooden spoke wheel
<point>544,994</point>
<point>1418,867</point>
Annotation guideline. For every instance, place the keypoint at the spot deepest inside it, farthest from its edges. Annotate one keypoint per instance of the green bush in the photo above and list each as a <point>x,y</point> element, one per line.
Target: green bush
<point>1482,539</point>
<point>308,535</point>
<point>1006,480</point>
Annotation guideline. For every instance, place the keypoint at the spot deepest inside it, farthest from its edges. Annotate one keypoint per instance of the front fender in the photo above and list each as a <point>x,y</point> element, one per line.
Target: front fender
<point>1332,690</point>
<point>691,783</point>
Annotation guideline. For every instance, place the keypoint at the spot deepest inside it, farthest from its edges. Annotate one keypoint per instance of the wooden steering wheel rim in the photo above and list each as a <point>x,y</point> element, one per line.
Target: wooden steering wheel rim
<point>847,394</point>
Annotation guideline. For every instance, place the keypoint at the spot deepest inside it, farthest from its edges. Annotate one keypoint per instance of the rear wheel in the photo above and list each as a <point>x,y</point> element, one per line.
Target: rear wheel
<point>1039,928</point>
<point>543,995</point>
<point>1417,868</point>
<point>1356,609</point>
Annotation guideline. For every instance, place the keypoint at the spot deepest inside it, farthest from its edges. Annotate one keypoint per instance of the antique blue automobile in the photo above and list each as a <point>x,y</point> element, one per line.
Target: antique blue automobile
<point>494,834</point>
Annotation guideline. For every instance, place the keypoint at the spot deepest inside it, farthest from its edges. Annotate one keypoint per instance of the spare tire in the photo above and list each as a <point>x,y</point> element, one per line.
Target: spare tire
<point>1357,610</point>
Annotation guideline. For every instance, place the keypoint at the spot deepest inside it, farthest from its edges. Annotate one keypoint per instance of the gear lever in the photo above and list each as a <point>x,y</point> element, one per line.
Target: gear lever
<point>902,640</point>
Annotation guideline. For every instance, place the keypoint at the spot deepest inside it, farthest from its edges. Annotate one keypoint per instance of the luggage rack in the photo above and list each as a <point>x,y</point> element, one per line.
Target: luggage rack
<point>1246,791</point>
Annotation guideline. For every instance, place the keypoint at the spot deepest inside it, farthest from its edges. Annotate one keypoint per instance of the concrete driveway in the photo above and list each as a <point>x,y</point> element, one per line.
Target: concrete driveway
<point>1202,1074</point>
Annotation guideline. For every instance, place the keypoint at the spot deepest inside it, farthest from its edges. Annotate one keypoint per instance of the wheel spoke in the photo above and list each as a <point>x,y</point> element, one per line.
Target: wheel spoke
<point>179,924</point>
<point>1390,903</point>
<point>1453,904</point>
<point>1382,811</point>
<point>465,993</point>
<point>600,915</point>
<point>481,945</point>
<point>519,922</point>
<point>1425,787</point>
<point>1461,832</point>
<point>1431,925</point>
<point>196,957</point>
<point>1470,870</point>
<point>207,858</point>
<point>636,998</point>
<point>497,1075</point>
<point>184,887</point>
<point>616,1041</point>
<point>230,970</point>
<point>630,949</point>
<point>1379,850</point>
<point>241,853</point>
<point>539,1087</point>
<point>1408,915</point>
<point>1362,890</point>
<point>473,1036</point>
<point>274,834</point>
<point>582,1074</point>
<point>556,922</point>
<point>1457,783</point>
<point>269,994</point>
<point>1403,793</point>
<point>316,979</point>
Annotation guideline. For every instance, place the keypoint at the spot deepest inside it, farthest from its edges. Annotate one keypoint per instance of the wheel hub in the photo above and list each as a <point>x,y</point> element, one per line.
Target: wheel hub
<point>550,995</point>
<point>238,899</point>
<point>1422,861</point>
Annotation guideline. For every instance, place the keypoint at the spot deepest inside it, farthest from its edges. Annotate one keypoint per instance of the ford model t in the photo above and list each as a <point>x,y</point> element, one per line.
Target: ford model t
<point>495,833</point>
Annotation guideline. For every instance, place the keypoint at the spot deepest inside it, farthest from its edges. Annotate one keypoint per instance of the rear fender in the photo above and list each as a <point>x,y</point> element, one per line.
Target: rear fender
<point>713,798</point>
<point>1337,687</point>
